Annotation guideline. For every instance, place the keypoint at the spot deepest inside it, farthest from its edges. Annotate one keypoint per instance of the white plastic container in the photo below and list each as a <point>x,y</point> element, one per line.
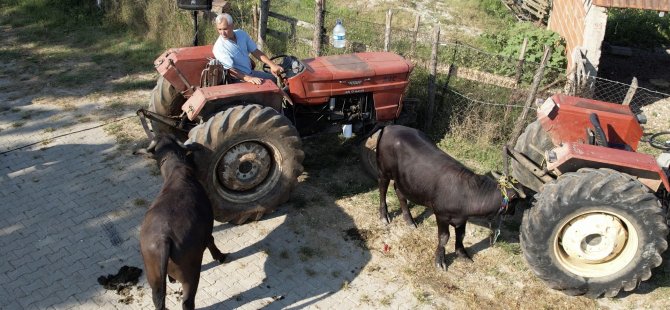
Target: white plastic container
<point>346,130</point>
<point>339,40</point>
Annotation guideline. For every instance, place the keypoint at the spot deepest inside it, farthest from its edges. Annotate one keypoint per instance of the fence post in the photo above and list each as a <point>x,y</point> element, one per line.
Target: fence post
<point>432,79</point>
<point>517,77</point>
<point>255,20</point>
<point>263,23</point>
<point>317,41</point>
<point>416,33</point>
<point>537,79</point>
<point>387,34</point>
<point>631,92</point>
<point>522,60</point>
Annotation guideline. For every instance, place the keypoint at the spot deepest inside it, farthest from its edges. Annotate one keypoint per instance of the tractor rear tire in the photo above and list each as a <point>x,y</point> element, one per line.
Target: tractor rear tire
<point>368,151</point>
<point>594,232</point>
<point>532,143</point>
<point>249,161</point>
<point>167,101</point>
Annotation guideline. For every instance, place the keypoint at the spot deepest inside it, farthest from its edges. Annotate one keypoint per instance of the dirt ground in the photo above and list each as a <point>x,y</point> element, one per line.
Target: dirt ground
<point>498,277</point>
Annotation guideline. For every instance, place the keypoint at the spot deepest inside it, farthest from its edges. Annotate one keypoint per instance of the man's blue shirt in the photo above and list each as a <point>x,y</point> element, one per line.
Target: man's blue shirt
<point>235,54</point>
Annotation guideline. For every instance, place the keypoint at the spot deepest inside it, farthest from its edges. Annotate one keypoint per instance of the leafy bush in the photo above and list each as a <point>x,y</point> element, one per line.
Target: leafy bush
<point>508,43</point>
<point>641,28</point>
<point>494,8</point>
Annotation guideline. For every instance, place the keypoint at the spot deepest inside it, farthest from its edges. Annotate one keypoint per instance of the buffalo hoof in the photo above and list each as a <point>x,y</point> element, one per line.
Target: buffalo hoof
<point>441,262</point>
<point>221,258</point>
<point>410,222</point>
<point>385,219</point>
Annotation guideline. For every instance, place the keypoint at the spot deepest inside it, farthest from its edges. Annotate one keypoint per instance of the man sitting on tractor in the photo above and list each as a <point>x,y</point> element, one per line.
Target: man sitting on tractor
<point>232,49</point>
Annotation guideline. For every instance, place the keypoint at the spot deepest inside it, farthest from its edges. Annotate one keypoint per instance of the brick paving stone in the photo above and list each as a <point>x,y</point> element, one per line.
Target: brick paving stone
<point>53,242</point>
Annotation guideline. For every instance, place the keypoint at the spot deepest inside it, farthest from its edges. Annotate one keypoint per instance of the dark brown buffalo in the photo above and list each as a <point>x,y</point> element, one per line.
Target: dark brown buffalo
<point>424,174</point>
<point>178,225</point>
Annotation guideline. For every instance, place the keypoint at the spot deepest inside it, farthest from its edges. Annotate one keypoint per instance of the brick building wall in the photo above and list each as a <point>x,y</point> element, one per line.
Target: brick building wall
<point>582,25</point>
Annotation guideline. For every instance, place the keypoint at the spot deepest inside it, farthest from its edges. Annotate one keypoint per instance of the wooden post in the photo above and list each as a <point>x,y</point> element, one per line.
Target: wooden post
<point>517,77</point>
<point>292,35</point>
<point>522,60</point>
<point>263,23</point>
<point>254,22</point>
<point>387,35</point>
<point>317,41</point>
<point>432,79</point>
<point>631,92</point>
<point>537,79</point>
<point>416,34</point>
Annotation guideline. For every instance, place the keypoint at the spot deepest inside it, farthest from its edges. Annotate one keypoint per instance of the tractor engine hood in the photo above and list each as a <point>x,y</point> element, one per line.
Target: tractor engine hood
<point>328,76</point>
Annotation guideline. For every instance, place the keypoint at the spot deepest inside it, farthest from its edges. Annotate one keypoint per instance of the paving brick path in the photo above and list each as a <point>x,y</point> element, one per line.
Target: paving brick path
<point>72,209</point>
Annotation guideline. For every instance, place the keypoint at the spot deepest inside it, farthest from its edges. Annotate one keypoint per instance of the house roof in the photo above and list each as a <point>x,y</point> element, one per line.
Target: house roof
<point>656,5</point>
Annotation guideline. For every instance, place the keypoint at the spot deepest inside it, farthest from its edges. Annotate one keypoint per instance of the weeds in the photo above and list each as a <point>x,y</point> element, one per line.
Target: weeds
<point>509,248</point>
<point>310,272</point>
<point>422,296</point>
<point>386,301</point>
<point>307,253</point>
<point>139,202</point>
<point>283,254</point>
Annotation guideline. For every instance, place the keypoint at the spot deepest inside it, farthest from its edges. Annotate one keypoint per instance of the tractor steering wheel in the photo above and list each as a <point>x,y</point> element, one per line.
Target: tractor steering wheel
<point>660,140</point>
<point>279,60</point>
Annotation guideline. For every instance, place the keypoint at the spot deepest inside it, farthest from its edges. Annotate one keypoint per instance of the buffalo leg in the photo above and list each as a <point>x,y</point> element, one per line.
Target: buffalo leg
<point>442,239</point>
<point>190,285</point>
<point>403,206</point>
<point>157,284</point>
<point>216,253</point>
<point>383,208</point>
<point>460,249</point>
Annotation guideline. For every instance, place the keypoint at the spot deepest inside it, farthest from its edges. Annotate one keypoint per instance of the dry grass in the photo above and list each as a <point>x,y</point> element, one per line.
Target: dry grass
<point>127,132</point>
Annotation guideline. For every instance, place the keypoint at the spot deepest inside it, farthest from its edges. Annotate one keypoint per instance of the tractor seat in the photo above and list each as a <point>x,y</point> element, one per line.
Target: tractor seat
<point>596,135</point>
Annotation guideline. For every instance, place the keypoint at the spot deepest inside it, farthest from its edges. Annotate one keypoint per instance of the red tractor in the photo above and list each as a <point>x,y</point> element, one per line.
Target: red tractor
<point>251,154</point>
<point>598,220</point>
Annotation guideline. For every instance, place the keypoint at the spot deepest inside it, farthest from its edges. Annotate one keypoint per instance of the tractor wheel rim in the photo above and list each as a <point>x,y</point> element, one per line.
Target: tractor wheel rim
<point>244,166</point>
<point>596,244</point>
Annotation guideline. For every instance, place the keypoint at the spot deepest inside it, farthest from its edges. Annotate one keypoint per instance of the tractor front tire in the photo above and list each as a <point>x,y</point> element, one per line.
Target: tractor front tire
<point>167,101</point>
<point>249,159</point>
<point>531,143</point>
<point>594,232</point>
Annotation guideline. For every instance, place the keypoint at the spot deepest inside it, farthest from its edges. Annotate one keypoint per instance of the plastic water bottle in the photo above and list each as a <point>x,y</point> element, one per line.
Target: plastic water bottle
<point>339,40</point>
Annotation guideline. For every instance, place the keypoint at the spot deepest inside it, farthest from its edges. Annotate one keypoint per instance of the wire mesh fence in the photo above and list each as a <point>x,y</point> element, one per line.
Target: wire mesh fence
<point>615,92</point>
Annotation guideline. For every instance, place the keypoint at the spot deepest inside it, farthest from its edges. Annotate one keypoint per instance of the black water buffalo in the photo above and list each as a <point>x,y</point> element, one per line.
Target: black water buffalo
<point>178,225</point>
<point>424,174</point>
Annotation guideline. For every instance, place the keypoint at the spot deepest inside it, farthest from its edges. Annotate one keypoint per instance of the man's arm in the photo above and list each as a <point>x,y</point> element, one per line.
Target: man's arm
<point>274,68</point>
<point>244,77</point>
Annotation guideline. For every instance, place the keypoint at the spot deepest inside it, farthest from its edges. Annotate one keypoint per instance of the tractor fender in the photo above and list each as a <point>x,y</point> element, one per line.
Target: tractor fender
<point>570,157</point>
<point>206,100</point>
<point>183,66</point>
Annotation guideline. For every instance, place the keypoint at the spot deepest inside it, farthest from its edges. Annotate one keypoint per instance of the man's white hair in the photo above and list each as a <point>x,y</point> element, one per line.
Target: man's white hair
<point>220,17</point>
